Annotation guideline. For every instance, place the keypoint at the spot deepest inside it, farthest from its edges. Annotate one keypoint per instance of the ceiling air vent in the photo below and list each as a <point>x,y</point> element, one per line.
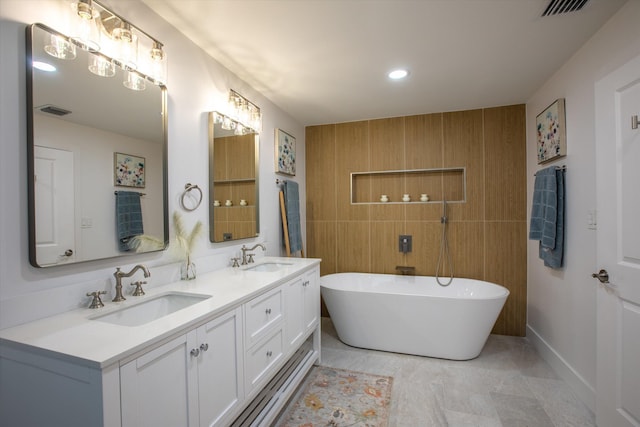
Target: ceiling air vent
<point>52,109</point>
<point>557,7</point>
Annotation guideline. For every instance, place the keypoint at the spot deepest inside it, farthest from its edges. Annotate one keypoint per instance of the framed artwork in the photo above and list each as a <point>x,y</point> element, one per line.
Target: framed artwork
<point>285,153</point>
<point>551,132</point>
<point>128,170</point>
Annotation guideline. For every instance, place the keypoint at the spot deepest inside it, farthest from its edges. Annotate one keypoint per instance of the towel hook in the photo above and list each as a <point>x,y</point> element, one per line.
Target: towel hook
<point>187,190</point>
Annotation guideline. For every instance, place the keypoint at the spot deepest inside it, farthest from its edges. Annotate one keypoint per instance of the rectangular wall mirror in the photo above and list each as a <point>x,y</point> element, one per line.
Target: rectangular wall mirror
<point>91,140</point>
<point>233,180</point>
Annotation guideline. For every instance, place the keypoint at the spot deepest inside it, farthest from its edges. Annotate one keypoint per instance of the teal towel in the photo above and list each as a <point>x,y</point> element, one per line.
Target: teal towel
<point>553,257</point>
<point>128,218</point>
<point>292,208</point>
<point>544,210</point>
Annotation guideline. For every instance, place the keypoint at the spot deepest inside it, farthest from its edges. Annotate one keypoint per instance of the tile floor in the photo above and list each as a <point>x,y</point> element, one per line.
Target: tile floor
<point>507,385</point>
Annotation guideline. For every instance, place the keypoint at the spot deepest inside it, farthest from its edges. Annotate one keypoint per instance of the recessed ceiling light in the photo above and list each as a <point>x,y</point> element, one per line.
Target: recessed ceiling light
<point>43,66</point>
<point>398,74</point>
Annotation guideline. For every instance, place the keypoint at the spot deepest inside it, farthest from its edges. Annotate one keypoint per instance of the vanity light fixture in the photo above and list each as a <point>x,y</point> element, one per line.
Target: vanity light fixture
<point>97,29</point>
<point>398,74</point>
<point>244,111</point>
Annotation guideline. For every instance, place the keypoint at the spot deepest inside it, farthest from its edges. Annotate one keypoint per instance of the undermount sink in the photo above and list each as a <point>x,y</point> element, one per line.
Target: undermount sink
<point>268,266</point>
<point>152,309</point>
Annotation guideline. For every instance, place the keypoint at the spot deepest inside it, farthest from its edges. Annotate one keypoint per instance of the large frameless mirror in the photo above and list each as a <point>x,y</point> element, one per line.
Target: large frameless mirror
<point>97,154</point>
<point>233,180</point>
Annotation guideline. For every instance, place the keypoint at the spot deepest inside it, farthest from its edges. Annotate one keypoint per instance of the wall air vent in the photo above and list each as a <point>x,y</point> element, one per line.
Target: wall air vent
<point>56,111</point>
<point>557,7</point>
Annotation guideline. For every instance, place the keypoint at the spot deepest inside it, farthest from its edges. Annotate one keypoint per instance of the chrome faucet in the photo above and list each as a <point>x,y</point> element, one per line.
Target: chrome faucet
<point>119,275</point>
<point>245,250</point>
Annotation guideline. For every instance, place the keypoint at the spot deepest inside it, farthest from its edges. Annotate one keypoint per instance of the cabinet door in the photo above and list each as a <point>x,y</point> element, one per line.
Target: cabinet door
<point>220,383</point>
<point>311,287</point>
<point>159,388</point>
<point>294,307</point>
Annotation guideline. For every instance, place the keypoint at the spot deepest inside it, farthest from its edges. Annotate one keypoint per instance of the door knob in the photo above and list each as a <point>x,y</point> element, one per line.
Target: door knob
<point>68,252</point>
<point>602,276</point>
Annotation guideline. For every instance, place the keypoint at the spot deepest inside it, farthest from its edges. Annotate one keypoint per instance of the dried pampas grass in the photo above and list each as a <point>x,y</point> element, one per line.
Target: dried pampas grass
<point>185,242</point>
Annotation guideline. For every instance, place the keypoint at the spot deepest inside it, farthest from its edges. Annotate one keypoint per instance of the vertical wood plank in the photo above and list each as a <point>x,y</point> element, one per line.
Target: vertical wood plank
<point>352,155</point>
<point>505,153</point>
<point>320,149</point>
<point>463,147</point>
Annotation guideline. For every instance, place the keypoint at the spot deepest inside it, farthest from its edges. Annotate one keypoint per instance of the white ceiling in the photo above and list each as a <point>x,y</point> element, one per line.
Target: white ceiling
<point>326,61</point>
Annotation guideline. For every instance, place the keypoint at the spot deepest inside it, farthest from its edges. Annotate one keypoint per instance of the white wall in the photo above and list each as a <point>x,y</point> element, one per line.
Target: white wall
<point>562,303</point>
<point>197,84</point>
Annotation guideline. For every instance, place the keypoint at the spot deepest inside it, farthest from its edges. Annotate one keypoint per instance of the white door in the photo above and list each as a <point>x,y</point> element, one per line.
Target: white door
<point>54,206</point>
<point>618,195</point>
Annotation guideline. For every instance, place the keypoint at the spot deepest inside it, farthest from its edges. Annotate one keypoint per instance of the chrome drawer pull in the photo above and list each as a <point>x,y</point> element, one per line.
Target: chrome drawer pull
<point>268,311</point>
<point>204,346</point>
<point>195,352</point>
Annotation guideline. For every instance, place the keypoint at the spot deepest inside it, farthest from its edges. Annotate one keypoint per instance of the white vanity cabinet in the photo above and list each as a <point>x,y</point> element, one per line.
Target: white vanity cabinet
<point>207,365</point>
<point>302,302</point>
<point>193,380</point>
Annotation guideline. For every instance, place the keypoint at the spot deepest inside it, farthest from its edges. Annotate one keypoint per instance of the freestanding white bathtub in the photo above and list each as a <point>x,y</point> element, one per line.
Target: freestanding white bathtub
<point>413,314</point>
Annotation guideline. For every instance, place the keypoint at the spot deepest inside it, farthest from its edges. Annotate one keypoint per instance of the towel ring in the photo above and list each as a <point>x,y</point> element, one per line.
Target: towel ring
<point>187,190</point>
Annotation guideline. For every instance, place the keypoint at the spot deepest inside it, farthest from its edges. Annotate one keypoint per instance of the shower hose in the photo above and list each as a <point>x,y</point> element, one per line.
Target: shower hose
<point>444,250</point>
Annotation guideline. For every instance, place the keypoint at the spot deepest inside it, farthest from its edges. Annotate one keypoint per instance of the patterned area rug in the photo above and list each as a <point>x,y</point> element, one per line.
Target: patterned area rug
<point>339,398</point>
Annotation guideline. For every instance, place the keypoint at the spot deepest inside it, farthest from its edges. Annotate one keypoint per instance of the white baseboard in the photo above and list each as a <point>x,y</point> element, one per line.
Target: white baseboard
<point>585,391</point>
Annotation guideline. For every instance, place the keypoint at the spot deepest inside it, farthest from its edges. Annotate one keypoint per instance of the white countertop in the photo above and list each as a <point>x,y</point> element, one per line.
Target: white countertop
<point>75,337</point>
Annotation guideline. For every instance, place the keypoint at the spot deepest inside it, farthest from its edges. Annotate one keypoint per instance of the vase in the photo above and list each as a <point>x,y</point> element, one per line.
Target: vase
<point>188,270</point>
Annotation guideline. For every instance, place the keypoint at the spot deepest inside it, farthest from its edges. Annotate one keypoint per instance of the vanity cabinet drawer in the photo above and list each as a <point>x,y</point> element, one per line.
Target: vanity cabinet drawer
<point>262,314</point>
<point>261,358</point>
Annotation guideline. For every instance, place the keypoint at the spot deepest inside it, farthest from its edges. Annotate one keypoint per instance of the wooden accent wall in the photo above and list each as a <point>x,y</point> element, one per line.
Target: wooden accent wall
<point>487,234</point>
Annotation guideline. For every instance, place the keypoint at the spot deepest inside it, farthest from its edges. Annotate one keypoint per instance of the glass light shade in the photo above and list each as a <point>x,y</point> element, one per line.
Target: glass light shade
<point>84,29</point>
<point>59,47</point>
<point>158,65</point>
<point>134,81</point>
<point>127,47</point>
<point>101,66</point>
<point>256,120</point>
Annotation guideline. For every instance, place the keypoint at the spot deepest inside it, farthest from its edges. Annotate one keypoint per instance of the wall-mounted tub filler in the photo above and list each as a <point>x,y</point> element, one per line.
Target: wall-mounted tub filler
<point>405,270</point>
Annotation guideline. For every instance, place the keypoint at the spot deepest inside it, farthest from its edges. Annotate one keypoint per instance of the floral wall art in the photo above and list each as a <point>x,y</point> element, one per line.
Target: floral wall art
<point>285,153</point>
<point>128,170</point>
<point>551,132</point>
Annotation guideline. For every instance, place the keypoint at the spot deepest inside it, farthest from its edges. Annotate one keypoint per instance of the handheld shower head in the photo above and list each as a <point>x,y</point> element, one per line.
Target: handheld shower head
<point>444,219</point>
